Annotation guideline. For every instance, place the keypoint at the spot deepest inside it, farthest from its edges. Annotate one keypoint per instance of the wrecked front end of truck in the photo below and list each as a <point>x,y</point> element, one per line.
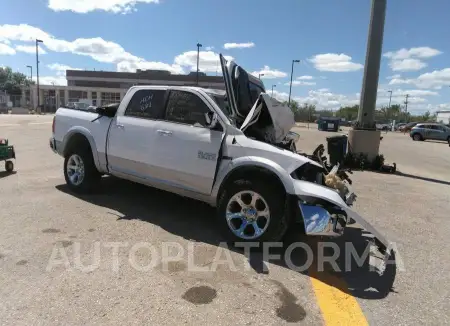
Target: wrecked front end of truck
<point>323,199</point>
<point>321,195</point>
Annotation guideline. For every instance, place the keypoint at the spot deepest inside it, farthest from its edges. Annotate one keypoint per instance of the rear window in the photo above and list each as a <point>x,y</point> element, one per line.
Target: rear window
<point>147,104</point>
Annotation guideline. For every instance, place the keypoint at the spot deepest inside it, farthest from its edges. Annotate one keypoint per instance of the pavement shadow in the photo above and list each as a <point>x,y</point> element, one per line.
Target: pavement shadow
<point>422,178</point>
<point>4,174</point>
<point>195,220</point>
<point>437,141</point>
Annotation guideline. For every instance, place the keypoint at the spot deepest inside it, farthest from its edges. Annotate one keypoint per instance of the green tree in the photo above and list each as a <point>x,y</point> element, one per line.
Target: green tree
<point>349,113</point>
<point>12,82</point>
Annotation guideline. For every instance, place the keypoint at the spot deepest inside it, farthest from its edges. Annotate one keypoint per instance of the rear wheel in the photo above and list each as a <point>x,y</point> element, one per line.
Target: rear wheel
<point>417,137</point>
<point>9,166</point>
<point>79,170</point>
<point>250,210</point>
<point>448,140</point>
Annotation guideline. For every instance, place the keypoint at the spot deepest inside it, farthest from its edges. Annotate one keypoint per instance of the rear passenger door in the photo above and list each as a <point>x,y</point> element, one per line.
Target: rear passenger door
<point>186,150</point>
<point>131,138</point>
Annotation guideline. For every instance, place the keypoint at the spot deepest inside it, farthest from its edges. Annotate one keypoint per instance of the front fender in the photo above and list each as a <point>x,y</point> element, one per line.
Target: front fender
<point>308,189</point>
<point>86,133</point>
<point>252,161</point>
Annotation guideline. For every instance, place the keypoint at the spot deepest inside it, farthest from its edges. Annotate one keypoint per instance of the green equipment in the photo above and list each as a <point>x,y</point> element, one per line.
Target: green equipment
<point>7,154</point>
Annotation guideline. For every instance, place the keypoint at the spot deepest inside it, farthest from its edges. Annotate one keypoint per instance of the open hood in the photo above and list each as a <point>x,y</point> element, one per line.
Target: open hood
<point>251,108</point>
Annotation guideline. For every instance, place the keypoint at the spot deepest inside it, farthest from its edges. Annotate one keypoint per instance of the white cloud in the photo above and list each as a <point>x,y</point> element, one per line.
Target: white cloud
<point>6,50</point>
<point>60,68</point>
<point>30,49</point>
<point>300,83</point>
<point>268,73</point>
<point>443,106</point>
<point>228,46</point>
<point>407,65</point>
<point>324,99</point>
<point>420,52</point>
<point>393,77</point>
<point>335,62</point>
<point>436,79</point>
<point>104,51</point>
<point>52,80</point>
<point>410,59</point>
<point>209,48</point>
<point>305,78</point>
<point>208,61</point>
<point>280,96</point>
<point>84,6</point>
<point>96,48</point>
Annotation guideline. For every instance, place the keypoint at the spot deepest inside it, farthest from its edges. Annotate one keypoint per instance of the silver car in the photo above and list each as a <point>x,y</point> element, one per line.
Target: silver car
<point>434,131</point>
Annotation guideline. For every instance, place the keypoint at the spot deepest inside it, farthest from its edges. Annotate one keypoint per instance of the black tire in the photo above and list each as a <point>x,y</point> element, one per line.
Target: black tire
<point>275,199</point>
<point>417,137</point>
<point>448,140</point>
<point>9,166</point>
<point>91,175</point>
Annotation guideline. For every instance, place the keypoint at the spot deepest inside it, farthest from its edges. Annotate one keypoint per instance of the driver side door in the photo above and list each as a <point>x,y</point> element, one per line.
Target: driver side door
<point>186,151</point>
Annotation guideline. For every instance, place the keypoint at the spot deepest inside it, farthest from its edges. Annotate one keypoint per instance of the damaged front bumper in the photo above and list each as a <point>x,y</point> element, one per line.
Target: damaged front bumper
<point>324,212</point>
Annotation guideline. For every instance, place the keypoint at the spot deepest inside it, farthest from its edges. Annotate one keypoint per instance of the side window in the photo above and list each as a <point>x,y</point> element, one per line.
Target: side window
<point>147,104</point>
<point>186,107</point>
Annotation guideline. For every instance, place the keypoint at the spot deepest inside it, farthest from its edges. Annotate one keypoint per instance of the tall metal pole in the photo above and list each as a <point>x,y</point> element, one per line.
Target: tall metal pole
<point>390,98</point>
<point>259,76</point>
<point>272,88</point>
<point>372,66</point>
<point>290,85</point>
<point>31,72</point>
<point>37,70</point>
<point>406,107</point>
<point>198,58</point>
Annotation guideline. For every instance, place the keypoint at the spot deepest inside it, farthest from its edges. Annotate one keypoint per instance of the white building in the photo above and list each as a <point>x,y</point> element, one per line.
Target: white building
<point>105,87</point>
<point>443,117</point>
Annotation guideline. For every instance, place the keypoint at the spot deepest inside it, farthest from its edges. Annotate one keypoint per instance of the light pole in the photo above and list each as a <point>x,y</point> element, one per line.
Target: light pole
<point>198,58</point>
<point>259,76</point>
<point>37,69</point>
<point>390,97</point>
<point>31,72</point>
<point>272,89</point>
<point>290,85</point>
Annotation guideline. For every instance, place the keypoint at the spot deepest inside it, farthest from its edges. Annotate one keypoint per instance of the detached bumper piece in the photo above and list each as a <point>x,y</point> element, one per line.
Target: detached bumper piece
<point>318,221</point>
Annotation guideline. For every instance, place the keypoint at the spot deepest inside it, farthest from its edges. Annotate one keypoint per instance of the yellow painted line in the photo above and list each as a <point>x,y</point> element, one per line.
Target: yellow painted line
<point>337,307</point>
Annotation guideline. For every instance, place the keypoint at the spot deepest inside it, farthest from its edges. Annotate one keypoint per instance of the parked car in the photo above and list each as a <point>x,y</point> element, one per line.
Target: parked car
<point>434,131</point>
<point>383,126</point>
<point>398,126</point>
<point>230,154</point>
<point>408,127</point>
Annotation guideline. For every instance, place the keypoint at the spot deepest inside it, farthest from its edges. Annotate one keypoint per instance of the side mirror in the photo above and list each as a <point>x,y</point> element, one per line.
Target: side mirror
<point>211,119</point>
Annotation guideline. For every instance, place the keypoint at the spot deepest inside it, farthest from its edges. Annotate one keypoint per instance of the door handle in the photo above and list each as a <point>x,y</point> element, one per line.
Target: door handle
<point>120,126</point>
<point>164,132</point>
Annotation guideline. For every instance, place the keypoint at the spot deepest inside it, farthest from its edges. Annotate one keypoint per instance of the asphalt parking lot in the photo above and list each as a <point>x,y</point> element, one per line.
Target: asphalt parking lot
<point>67,259</point>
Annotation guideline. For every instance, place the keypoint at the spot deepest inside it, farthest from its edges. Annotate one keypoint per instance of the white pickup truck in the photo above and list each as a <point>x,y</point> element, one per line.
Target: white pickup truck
<point>232,149</point>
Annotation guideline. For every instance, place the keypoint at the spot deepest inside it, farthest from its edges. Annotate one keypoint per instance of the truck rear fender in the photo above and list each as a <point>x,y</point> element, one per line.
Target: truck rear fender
<point>99,159</point>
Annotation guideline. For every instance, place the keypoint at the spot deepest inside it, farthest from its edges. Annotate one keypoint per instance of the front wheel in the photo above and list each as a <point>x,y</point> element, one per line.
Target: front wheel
<point>417,137</point>
<point>250,210</point>
<point>79,171</point>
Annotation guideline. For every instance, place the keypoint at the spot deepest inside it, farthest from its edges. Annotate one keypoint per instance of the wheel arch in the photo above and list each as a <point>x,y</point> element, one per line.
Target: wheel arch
<point>252,167</point>
<point>78,135</point>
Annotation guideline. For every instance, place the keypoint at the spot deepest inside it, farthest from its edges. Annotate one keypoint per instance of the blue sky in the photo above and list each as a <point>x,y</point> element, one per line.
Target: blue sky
<point>328,36</point>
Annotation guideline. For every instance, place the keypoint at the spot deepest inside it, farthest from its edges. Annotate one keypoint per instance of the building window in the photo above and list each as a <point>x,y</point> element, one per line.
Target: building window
<point>109,98</point>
